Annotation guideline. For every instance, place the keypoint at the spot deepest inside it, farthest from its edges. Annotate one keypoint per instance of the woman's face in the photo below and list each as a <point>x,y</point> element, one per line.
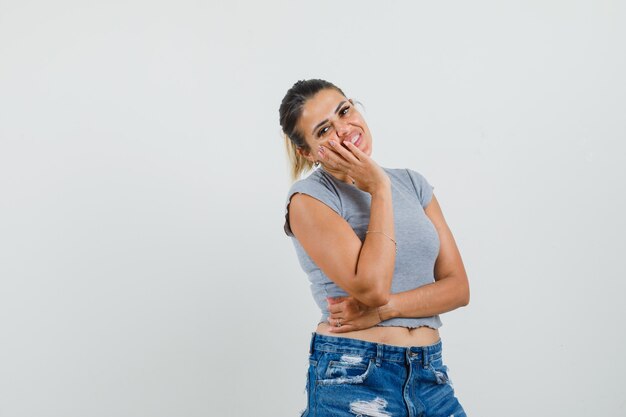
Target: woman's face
<point>329,115</point>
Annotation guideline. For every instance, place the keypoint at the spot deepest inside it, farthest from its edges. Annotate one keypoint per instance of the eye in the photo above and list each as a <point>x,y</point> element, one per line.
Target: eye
<point>344,110</point>
<point>322,131</point>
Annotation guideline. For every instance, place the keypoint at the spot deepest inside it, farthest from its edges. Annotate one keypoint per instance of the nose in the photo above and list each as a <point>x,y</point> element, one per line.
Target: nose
<point>342,129</point>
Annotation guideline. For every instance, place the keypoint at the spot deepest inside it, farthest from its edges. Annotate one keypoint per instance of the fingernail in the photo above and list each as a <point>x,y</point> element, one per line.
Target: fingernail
<point>345,142</point>
<point>331,142</point>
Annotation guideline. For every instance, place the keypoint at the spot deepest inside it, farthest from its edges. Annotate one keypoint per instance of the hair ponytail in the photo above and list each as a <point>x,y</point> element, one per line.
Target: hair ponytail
<point>298,164</point>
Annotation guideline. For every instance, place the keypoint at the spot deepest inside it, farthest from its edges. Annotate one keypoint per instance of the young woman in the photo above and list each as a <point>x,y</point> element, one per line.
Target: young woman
<point>382,263</point>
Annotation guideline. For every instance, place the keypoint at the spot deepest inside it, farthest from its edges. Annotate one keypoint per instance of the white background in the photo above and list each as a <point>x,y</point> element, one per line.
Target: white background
<point>143,266</point>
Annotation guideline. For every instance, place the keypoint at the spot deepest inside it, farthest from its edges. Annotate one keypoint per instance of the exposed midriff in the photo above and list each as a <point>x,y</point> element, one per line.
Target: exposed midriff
<point>389,335</point>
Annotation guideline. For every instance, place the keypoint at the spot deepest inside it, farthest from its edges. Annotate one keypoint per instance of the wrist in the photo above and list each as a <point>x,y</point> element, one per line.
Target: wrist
<point>388,310</point>
<point>382,188</point>
<point>383,191</point>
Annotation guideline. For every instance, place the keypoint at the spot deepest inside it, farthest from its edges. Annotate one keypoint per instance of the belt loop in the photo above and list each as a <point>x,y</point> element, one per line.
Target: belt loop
<point>425,357</point>
<point>379,354</point>
<point>312,342</point>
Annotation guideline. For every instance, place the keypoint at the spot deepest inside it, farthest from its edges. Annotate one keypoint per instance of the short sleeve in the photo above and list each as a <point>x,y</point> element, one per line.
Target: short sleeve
<point>422,187</point>
<point>317,188</point>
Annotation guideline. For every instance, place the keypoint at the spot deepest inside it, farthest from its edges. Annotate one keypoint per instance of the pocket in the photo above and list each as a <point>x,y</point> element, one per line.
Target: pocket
<point>334,369</point>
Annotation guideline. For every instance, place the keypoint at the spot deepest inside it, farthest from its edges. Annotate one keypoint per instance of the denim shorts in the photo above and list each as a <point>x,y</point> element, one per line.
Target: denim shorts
<point>351,377</point>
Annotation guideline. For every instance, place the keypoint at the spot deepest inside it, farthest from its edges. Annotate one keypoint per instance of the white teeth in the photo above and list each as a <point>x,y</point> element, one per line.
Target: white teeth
<point>355,138</point>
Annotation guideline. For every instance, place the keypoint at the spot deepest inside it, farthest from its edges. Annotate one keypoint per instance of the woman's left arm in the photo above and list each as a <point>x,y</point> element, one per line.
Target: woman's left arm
<point>449,291</point>
<point>451,287</point>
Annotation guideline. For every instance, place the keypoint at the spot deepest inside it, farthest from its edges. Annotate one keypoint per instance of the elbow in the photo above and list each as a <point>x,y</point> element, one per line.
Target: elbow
<point>381,300</point>
<point>373,291</point>
<point>376,298</point>
<point>465,301</point>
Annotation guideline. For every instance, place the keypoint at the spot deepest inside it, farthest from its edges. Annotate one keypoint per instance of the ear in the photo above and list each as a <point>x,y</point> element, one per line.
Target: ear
<point>305,154</point>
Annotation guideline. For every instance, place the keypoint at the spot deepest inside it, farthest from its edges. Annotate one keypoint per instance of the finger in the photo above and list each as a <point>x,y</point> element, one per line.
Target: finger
<point>343,329</point>
<point>344,316</point>
<point>329,157</point>
<point>336,315</point>
<point>344,152</point>
<point>335,300</point>
<point>356,152</point>
<point>335,308</point>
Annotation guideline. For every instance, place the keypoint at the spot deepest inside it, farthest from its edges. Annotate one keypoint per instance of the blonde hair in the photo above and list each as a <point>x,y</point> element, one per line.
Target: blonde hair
<point>298,164</point>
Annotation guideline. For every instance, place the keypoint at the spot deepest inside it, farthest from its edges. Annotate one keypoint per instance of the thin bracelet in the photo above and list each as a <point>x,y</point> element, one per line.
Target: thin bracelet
<point>383,233</point>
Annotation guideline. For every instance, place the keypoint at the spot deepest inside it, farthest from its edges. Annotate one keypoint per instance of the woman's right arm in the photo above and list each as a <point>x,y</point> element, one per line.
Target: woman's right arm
<point>362,269</point>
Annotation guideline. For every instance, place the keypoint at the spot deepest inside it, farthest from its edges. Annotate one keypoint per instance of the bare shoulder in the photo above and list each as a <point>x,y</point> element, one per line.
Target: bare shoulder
<point>327,238</point>
<point>312,220</point>
<point>305,209</point>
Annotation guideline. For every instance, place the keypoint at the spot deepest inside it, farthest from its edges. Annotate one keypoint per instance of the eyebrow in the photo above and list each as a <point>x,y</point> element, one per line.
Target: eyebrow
<point>326,120</point>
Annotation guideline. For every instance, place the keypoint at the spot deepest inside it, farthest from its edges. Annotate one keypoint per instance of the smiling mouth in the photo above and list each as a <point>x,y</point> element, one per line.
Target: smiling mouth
<point>356,139</point>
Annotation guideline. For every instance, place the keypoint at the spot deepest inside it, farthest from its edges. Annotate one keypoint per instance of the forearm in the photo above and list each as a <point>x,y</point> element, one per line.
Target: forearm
<point>377,257</point>
<point>438,297</point>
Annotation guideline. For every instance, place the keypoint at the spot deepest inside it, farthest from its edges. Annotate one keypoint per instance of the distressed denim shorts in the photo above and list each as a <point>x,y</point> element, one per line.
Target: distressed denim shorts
<point>351,377</point>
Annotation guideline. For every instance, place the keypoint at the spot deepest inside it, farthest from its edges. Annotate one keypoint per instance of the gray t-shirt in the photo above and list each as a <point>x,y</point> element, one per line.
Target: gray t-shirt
<point>416,236</point>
